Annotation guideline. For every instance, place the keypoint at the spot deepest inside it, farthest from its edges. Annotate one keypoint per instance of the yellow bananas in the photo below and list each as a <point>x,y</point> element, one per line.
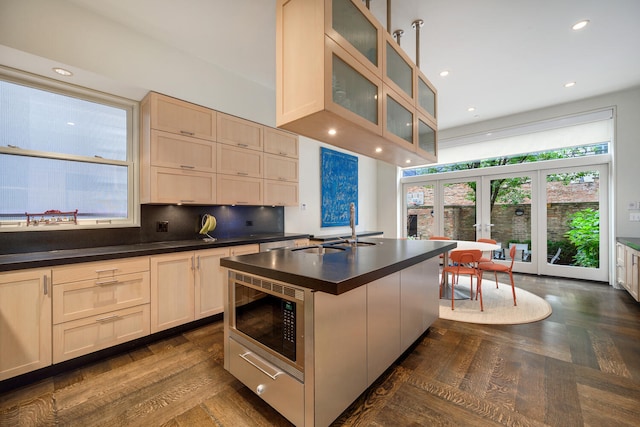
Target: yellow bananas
<point>208,225</point>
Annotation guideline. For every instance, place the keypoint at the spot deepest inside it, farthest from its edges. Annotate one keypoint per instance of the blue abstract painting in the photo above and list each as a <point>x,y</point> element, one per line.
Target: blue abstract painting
<point>339,181</point>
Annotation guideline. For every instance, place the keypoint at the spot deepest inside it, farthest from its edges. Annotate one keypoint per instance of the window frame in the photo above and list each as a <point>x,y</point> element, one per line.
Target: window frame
<point>132,109</point>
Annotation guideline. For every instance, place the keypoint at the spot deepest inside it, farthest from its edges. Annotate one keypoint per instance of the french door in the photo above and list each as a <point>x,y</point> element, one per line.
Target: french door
<point>556,217</point>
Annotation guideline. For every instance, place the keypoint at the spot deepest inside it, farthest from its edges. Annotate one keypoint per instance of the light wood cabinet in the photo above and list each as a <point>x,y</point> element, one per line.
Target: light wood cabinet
<point>209,282</point>
<point>176,116</point>
<point>280,193</point>
<point>239,161</point>
<point>177,151</point>
<point>244,250</point>
<point>280,142</point>
<point>98,305</point>
<point>628,269</point>
<point>239,190</point>
<point>239,132</point>
<point>181,186</point>
<point>280,168</point>
<point>186,286</point>
<point>333,62</point>
<point>25,322</point>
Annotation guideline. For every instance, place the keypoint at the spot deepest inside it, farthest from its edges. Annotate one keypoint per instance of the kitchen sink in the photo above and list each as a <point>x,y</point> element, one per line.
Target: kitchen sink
<point>348,245</point>
<point>320,250</point>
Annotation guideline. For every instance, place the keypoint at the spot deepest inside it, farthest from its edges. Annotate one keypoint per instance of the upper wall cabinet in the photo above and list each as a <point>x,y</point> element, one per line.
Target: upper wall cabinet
<point>343,80</point>
<point>176,116</point>
<point>239,132</point>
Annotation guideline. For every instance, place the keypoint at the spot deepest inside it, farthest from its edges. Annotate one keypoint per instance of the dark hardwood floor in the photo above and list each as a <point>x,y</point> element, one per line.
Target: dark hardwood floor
<point>578,367</point>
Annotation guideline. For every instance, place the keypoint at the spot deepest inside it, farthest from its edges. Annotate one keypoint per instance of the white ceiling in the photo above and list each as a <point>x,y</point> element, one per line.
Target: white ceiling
<point>504,56</point>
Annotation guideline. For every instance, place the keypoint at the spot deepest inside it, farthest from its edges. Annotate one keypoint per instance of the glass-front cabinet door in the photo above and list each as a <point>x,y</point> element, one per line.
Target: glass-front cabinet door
<point>427,139</point>
<point>354,28</point>
<point>426,99</point>
<point>354,92</point>
<point>399,70</point>
<point>398,119</point>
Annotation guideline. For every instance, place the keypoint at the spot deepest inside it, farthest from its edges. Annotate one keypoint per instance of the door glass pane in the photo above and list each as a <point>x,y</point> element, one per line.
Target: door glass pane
<point>426,97</point>
<point>426,138</point>
<point>354,92</point>
<point>420,214</point>
<point>399,71</point>
<point>356,28</point>
<point>399,120</point>
<point>510,223</point>
<point>460,210</point>
<point>573,219</point>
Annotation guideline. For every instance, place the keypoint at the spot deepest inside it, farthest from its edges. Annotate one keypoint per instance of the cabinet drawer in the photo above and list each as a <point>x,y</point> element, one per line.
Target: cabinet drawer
<point>239,190</point>
<point>280,193</point>
<point>84,336</point>
<point>240,132</point>
<point>277,388</point>
<point>76,300</point>
<point>181,152</point>
<point>281,143</point>
<point>239,161</point>
<point>280,168</point>
<point>178,186</point>
<point>99,271</point>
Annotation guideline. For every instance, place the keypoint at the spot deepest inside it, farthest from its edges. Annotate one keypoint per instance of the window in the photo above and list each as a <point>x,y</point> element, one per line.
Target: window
<point>63,151</point>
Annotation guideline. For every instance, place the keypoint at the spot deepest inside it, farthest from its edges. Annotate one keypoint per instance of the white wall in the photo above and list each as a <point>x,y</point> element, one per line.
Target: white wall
<point>36,35</point>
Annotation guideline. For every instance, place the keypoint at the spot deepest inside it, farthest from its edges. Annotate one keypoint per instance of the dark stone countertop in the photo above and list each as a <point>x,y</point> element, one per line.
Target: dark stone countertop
<point>339,272</point>
<point>22,261</point>
<point>329,237</point>
<point>632,242</point>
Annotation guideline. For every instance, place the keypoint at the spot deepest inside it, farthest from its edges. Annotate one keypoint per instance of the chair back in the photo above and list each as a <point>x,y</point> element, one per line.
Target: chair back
<point>512,254</point>
<point>462,256</point>
<point>493,242</point>
<point>439,238</point>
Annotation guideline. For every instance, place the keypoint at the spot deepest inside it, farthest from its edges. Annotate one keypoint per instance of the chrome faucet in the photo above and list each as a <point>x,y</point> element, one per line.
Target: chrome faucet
<point>352,223</point>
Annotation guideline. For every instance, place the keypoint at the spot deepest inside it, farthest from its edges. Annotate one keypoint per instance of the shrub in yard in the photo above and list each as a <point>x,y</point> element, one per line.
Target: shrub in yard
<point>584,233</point>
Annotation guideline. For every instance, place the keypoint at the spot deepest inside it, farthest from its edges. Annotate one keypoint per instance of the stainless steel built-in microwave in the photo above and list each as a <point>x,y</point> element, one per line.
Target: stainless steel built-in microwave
<point>270,315</point>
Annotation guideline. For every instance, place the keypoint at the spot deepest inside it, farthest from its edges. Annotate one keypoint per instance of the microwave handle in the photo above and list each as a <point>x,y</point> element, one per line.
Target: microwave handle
<point>257,361</point>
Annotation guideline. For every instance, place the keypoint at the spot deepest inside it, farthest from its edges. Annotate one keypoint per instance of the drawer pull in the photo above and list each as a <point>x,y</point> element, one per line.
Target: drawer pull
<point>187,167</point>
<point>283,153</point>
<point>185,132</point>
<point>107,282</point>
<point>106,270</point>
<point>187,200</point>
<point>254,360</point>
<point>242,173</point>
<point>108,318</point>
<point>243,145</point>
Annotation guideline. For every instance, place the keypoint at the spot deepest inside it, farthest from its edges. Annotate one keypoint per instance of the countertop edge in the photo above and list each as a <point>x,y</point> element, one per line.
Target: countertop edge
<point>329,286</point>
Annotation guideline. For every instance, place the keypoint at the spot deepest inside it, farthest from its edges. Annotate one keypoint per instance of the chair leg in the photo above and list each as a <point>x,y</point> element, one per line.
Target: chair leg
<point>513,288</point>
<point>452,285</point>
<point>495,273</point>
<point>479,291</point>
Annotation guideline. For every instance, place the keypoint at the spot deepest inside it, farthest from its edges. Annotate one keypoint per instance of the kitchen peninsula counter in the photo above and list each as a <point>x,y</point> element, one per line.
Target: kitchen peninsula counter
<point>339,272</point>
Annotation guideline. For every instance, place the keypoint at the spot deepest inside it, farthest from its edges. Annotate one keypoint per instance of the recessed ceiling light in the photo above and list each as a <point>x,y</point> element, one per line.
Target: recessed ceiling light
<point>71,123</point>
<point>471,109</point>
<point>63,72</point>
<point>378,150</point>
<point>444,73</point>
<point>570,84</point>
<point>580,25</point>
<point>407,161</point>
<point>332,132</point>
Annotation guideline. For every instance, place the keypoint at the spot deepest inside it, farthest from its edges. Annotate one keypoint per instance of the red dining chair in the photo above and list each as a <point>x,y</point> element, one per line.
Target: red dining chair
<point>501,268</point>
<point>490,258</point>
<point>439,238</point>
<point>465,261</point>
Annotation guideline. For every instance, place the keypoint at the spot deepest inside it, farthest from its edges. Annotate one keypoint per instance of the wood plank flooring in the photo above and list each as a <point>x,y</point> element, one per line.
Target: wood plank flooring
<point>578,367</point>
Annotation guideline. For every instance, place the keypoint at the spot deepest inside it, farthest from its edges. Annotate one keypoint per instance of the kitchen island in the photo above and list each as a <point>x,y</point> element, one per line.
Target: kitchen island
<point>337,317</point>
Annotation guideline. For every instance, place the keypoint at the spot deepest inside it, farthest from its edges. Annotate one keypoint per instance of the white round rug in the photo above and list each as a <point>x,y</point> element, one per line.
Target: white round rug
<point>498,305</point>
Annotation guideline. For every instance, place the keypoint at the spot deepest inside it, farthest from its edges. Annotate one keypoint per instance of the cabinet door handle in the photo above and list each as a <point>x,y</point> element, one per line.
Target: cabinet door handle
<point>243,145</point>
<point>185,132</point>
<point>187,200</point>
<point>192,262</point>
<point>106,282</point>
<point>198,262</point>
<point>45,282</point>
<point>106,270</point>
<point>108,318</point>
<point>242,173</point>
<point>283,153</point>
<point>187,167</point>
